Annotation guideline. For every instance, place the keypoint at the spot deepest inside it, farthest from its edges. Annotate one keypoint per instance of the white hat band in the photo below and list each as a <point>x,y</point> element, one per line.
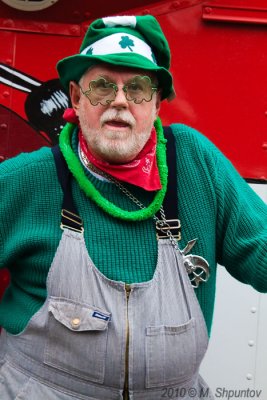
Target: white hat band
<point>122,20</point>
<point>120,43</point>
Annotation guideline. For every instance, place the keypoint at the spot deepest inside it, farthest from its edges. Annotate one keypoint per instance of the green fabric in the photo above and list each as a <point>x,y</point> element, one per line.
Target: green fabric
<point>214,202</point>
<point>147,29</point>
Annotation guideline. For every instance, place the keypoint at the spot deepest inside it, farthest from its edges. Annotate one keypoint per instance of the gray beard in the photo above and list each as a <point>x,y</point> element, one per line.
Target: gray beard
<point>113,150</point>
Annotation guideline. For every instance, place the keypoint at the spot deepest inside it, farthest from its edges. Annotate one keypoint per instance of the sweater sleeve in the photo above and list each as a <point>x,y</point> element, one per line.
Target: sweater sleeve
<point>227,204</point>
<point>24,189</point>
<point>11,192</point>
<point>241,227</point>
<point>1,249</point>
<point>3,197</point>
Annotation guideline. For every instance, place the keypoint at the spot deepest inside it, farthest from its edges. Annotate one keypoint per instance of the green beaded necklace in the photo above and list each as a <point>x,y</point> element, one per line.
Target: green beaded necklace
<point>89,189</point>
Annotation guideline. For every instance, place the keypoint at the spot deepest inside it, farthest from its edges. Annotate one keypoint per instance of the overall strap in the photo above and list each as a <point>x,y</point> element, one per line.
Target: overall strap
<point>171,197</point>
<point>170,203</point>
<point>69,215</point>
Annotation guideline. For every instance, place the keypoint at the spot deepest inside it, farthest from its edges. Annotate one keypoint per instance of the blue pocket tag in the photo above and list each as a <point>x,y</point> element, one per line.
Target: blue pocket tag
<point>99,315</point>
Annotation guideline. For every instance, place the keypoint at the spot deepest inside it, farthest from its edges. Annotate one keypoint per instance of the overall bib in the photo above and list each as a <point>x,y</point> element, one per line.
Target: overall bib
<point>76,346</point>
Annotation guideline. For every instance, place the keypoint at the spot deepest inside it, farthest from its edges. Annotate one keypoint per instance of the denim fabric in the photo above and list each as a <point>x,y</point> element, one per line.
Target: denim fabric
<point>74,346</point>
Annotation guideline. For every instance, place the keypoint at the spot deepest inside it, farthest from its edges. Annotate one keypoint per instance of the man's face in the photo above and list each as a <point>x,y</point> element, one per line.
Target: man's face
<point>116,132</point>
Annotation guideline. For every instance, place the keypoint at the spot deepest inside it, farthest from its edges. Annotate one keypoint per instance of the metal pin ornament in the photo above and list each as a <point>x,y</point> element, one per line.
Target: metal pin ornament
<point>196,266</point>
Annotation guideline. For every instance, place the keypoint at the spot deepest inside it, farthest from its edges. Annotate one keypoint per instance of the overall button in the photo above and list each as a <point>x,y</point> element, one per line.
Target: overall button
<point>75,323</point>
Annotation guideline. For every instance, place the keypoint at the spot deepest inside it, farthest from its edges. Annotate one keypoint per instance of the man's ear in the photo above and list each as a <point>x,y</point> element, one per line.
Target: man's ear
<point>75,94</point>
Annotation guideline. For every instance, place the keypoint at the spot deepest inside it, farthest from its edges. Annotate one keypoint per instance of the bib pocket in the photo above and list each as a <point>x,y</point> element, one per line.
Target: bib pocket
<point>170,354</point>
<point>77,339</point>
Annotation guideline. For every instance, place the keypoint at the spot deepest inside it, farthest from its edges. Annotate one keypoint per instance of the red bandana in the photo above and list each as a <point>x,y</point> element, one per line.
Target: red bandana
<point>142,171</point>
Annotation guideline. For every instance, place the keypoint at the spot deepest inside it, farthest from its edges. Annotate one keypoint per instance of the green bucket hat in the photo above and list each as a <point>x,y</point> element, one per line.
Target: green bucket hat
<point>128,41</point>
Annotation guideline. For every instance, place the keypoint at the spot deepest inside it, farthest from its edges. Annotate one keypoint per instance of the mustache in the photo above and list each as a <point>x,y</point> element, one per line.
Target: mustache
<point>117,115</point>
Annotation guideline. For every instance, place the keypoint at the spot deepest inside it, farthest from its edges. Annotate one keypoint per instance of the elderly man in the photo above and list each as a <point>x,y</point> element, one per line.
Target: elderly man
<point>99,306</point>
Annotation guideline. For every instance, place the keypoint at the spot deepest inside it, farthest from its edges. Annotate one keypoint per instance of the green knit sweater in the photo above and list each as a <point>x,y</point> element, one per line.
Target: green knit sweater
<point>215,205</point>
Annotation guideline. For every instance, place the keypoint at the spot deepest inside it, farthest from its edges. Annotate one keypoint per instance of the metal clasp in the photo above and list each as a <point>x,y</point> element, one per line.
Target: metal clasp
<point>74,218</point>
<point>167,228</point>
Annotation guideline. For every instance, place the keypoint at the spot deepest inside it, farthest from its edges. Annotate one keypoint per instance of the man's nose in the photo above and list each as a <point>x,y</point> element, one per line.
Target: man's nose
<point>120,100</point>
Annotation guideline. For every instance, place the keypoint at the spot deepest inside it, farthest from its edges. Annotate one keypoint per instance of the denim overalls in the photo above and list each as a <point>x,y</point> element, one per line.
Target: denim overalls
<point>92,334</point>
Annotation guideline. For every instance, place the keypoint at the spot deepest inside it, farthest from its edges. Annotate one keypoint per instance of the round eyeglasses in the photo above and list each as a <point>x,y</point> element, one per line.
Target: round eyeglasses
<point>137,89</point>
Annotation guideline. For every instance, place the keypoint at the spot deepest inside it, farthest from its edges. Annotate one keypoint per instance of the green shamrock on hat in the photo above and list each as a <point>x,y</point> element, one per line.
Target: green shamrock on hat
<point>126,42</point>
